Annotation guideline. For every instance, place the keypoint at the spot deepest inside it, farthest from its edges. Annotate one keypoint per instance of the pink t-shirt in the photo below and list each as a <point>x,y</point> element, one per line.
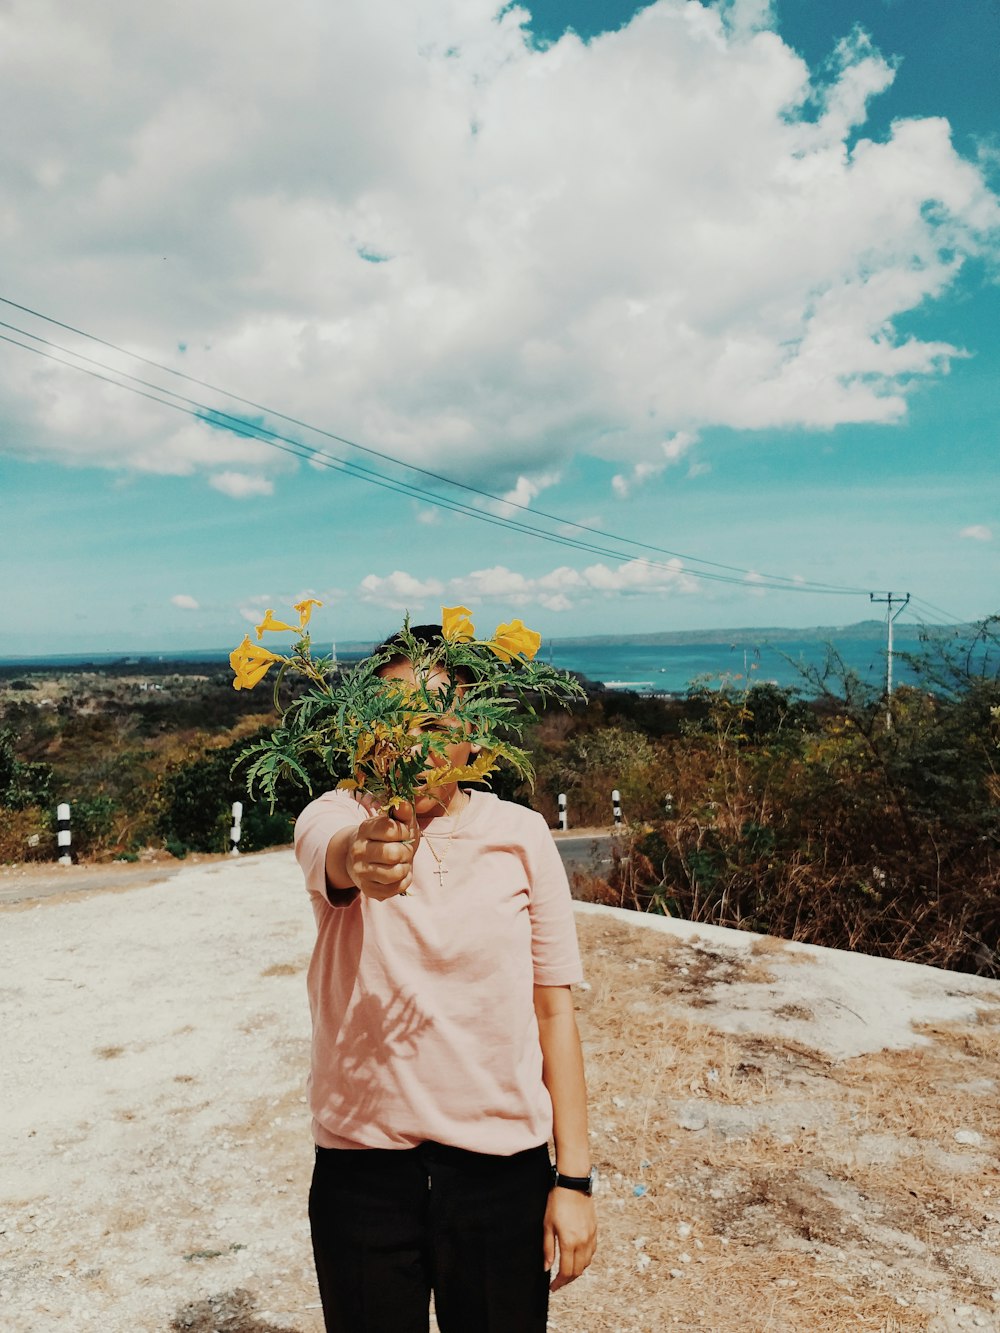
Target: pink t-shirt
<point>423,1017</point>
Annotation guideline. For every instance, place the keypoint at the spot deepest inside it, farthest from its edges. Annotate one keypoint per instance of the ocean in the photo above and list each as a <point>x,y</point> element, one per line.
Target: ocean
<point>673,668</point>
<point>645,668</point>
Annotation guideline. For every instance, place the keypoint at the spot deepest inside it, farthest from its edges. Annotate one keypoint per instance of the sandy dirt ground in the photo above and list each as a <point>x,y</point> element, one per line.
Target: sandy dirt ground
<point>788,1138</point>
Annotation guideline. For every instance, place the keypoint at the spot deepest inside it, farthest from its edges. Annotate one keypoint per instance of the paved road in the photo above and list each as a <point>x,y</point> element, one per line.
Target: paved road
<point>587,852</point>
<point>20,884</point>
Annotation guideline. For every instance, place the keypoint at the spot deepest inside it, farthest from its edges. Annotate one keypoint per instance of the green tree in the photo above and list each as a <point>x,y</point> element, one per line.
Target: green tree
<point>196,798</point>
<point>22,783</point>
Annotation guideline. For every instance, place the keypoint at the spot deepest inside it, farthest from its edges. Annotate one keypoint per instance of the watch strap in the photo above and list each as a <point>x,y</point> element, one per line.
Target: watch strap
<point>582,1184</point>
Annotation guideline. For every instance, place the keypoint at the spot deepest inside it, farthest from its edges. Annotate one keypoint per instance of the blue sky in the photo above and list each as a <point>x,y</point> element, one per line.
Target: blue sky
<point>715,283</point>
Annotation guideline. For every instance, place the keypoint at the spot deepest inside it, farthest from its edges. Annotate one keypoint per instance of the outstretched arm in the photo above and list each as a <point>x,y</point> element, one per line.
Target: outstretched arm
<point>570,1219</point>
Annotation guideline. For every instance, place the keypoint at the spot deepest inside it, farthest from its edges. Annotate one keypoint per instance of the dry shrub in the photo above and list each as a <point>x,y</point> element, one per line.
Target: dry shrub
<point>822,823</point>
<point>26,835</point>
<point>588,888</point>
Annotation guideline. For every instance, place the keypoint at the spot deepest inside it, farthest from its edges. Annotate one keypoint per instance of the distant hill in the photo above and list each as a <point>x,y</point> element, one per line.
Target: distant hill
<point>348,650</point>
<point>186,659</point>
<point>863,630</point>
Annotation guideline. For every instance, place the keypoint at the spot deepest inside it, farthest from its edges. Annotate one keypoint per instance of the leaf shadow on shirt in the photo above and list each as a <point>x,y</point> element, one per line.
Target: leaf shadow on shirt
<point>378,1031</point>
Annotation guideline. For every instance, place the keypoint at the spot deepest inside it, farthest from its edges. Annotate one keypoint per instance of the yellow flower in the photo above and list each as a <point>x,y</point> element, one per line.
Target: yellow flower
<point>251,664</point>
<point>514,640</point>
<point>305,610</point>
<point>483,764</point>
<point>269,623</point>
<point>365,742</point>
<point>456,626</point>
<point>481,767</point>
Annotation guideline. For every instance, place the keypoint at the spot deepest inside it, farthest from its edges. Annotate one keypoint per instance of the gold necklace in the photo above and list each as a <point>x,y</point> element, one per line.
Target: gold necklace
<point>441,870</point>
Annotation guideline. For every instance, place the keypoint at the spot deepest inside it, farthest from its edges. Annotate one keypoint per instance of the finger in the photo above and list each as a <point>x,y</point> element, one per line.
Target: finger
<point>574,1261</point>
<point>370,864</point>
<point>406,815</point>
<point>548,1247</point>
<point>567,1268</point>
<point>386,829</point>
<point>402,815</point>
<point>377,873</point>
<point>385,844</point>
<point>387,853</point>
<point>586,1257</point>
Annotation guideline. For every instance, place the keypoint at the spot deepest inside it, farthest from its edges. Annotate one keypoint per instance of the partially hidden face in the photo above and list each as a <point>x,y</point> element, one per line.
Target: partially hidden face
<point>455,754</point>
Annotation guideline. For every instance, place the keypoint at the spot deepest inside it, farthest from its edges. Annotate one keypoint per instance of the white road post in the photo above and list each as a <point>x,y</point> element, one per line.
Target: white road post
<point>64,837</point>
<point>563,816</point>
<point>234,832</point>
<point>616,806</point>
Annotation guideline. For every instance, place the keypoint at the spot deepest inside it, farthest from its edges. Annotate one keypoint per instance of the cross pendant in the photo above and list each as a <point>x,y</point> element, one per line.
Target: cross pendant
<point>441,870</point>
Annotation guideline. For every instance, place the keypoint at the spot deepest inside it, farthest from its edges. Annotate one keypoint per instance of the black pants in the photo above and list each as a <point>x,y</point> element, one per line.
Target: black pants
<point>390,1226</point>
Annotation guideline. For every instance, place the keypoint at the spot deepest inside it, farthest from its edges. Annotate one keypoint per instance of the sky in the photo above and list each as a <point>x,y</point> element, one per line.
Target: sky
<point>613,318</point>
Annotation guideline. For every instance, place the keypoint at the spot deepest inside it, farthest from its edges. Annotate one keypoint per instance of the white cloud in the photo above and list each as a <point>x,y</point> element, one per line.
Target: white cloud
<point>559,590</point>
<point>240,485</point>
<point>676,446</point>
<point>751,582</point>
<point>673,449</point>
<point>977,532</point>
<point>623,486</point>
<point>399,591</point>
<point>584,521</point>
<point>185,602</point>
<point>498,584</point>
<point>741,265</point>
<point>523,492</point>
<point>637,577</point>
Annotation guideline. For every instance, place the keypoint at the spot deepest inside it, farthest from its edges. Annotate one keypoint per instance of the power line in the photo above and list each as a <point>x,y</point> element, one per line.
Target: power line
<point>249,430</point>
<point>774,582</point>
<point>341,439</point>
<point>939,611</point>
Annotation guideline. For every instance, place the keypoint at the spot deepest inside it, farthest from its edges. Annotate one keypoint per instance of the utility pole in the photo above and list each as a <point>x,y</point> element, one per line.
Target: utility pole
<point>902,598</point>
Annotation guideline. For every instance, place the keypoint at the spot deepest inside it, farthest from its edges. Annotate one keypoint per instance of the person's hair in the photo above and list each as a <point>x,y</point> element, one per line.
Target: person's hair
<point>426,635</point>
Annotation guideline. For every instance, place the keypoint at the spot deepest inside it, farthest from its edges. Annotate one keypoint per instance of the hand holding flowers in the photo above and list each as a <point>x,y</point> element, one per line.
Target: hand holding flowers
<point>395,735</point>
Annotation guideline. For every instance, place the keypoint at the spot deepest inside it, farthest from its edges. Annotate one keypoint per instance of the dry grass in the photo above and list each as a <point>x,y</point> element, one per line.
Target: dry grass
<point>749,1184</point>
<point>805,1193</point>
<point>228,1312</point>
<point>126,1218</point>
<point>286,969</point>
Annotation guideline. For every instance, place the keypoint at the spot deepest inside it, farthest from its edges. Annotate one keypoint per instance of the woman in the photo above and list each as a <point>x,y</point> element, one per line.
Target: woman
<point>445,1053</point>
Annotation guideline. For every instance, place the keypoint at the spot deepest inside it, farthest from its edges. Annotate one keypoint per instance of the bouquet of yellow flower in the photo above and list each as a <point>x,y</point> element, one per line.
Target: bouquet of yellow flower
<point>395,735</point>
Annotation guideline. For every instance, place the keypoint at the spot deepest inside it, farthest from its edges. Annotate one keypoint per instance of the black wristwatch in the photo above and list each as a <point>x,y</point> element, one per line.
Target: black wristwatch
<point>582,1184</point>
